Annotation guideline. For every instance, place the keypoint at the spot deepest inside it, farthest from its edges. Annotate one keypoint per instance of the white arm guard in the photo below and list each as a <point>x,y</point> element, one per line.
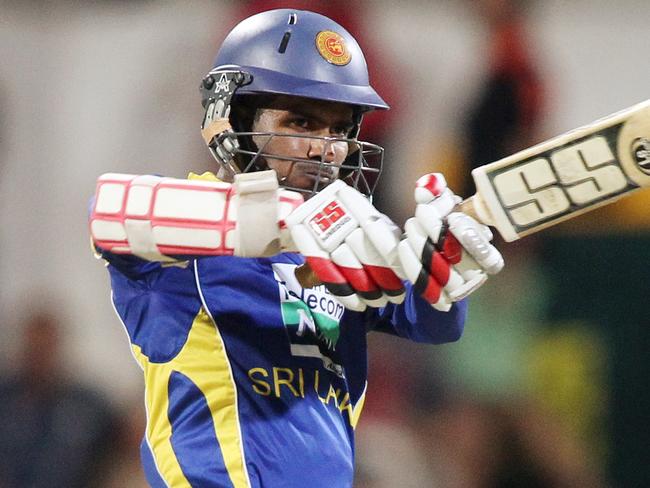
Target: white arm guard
<point>153,217</point>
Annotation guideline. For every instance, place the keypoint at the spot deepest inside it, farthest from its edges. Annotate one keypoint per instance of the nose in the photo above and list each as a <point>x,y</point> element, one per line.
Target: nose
<point>322,149</point>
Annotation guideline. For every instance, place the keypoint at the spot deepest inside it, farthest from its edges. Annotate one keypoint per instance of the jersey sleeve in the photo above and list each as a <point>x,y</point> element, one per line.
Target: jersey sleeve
<point>132,267</point>
<point>417,320</point>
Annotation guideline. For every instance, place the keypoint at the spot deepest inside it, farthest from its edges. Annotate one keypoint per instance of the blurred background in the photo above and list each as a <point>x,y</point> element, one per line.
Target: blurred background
<point>548,386</point>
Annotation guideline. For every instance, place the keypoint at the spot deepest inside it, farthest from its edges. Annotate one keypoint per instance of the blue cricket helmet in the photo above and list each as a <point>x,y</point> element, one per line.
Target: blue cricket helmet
<point>295,53</point>
<point>299,53</point>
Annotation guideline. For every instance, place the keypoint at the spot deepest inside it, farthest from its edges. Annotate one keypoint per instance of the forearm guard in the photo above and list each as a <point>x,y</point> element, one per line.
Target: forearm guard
<point>156,218</point>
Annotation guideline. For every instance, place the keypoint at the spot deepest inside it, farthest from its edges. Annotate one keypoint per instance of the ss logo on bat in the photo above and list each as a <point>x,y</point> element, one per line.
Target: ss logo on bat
<point>568,179</point>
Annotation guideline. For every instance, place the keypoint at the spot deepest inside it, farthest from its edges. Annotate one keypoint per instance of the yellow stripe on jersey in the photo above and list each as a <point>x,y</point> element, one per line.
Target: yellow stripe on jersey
<point>159,429</point>
<point>358,407</point>
<point>206,176</point>
<point>204,361</point>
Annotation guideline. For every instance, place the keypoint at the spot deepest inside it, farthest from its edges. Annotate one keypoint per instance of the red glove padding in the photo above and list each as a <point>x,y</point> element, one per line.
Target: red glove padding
<point>445,254</point>
<point>350,246</point>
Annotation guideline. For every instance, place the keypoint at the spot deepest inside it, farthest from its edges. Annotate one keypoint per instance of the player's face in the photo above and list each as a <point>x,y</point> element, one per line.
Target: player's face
<point>304,117</point>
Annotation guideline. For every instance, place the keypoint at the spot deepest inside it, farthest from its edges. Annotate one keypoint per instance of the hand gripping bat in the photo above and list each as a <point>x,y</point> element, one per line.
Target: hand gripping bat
<point>560,178</point>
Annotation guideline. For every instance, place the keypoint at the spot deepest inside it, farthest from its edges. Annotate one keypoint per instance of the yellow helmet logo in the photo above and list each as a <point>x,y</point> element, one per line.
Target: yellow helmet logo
<point>332,47</point>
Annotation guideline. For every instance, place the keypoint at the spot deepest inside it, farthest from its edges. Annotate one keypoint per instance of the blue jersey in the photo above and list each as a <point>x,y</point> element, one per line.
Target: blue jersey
<point>252,381</point>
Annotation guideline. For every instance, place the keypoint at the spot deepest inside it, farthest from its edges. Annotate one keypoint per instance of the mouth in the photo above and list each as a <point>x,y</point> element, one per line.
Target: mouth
<point>321,178</point>
<point>324,171</point>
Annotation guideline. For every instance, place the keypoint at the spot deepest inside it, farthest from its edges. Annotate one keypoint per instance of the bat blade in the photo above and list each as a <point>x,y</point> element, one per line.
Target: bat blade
<point>566,176</point>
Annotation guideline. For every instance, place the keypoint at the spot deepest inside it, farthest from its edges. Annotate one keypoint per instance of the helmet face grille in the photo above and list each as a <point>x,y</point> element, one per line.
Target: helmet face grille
<point>360,169</point>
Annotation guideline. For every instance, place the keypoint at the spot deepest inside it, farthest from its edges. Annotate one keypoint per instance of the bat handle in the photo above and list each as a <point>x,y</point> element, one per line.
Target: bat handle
<point>476,208</point>
<point>468,207</point>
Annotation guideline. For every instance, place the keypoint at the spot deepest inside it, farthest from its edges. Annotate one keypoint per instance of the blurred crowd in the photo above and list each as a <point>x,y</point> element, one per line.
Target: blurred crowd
<point>58,432</point>
<point>545,389</point>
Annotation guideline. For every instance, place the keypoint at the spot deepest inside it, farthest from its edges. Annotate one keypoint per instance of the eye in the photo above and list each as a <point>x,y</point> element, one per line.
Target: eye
<point>342,130</point>
<point>300,122</point>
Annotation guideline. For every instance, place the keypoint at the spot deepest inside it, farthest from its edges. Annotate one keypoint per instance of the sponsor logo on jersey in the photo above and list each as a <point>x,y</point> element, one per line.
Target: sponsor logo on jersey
<point>282,382</point>
<point>332,47</point>
<point>641,152</point>
<point>311,317</point>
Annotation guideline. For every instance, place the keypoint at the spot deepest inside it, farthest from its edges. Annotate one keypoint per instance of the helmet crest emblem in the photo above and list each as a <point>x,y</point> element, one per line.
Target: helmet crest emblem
<point>331,46</point>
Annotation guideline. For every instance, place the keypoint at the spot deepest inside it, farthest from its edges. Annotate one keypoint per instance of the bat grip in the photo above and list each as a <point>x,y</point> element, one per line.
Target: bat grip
<point>468,207</point>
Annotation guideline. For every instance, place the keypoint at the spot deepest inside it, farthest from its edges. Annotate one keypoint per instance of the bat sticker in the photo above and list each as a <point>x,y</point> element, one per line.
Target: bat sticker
<point>561,181</point>
<point>641,152</point>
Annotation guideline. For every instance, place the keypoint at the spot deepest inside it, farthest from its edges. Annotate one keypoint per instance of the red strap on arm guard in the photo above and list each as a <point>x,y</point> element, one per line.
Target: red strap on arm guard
<point>153,217</point>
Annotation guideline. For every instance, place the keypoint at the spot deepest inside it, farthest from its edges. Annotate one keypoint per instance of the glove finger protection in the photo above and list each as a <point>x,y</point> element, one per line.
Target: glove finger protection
<point>354,272</point>
<point>446,254</point>
<point>375,243</point>
<point>321,263</point>
<point>386,279</point>
<point>332,230</point>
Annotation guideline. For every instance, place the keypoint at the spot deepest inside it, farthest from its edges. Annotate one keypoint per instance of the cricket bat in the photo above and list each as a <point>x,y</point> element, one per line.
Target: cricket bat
<point>560,178</point>
<point>565,176</point>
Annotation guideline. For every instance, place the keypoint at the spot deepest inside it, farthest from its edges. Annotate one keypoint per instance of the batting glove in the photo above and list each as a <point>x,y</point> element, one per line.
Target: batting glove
<point>350,246</point>
<point>445,254</point>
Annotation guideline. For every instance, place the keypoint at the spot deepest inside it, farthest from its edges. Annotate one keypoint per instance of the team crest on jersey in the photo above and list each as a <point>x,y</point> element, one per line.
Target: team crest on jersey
<point>333,48</point>
<point>311,317</point>
<point>641,152</point>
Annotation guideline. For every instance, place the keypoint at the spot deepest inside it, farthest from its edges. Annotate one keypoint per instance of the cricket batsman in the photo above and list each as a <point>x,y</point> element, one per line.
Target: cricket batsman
<point>251,379</point>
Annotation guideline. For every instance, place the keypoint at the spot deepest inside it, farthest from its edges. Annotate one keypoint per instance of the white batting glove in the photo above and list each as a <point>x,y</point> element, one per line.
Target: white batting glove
<point>445,254</point>
<point>350,246</point>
